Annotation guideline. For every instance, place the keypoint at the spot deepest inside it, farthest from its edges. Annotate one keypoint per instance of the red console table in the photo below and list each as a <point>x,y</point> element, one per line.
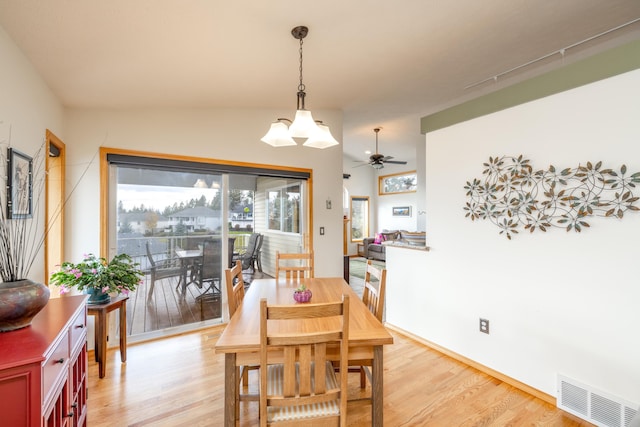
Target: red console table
<point>43,368</point>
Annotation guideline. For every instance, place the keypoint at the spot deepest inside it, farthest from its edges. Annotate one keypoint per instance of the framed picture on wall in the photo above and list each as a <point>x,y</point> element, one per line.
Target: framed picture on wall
<point>19,184</point>
<point>404,182</point>
<point>401,211</point>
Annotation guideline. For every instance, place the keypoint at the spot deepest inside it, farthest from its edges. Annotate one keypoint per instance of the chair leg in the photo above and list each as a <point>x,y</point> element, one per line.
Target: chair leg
<point>245,378</point>
<point>363,378</point>
<point>152,279</point>
<point>259,262</point>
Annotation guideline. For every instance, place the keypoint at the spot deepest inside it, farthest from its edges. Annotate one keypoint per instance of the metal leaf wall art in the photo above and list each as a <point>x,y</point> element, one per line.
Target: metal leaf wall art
<point>515,198</point>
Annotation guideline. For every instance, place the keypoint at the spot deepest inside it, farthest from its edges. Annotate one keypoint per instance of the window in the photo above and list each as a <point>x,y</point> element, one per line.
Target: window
<point>283,209</point>
<point>359,218</point>
<point>397,183</point>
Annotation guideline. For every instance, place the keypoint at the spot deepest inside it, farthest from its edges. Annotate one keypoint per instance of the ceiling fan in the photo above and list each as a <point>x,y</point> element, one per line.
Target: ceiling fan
<point>378,160</point>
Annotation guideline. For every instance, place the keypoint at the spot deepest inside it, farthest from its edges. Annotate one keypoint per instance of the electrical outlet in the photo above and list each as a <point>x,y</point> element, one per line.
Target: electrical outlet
<point>484,325</point>
<point>322,231</point>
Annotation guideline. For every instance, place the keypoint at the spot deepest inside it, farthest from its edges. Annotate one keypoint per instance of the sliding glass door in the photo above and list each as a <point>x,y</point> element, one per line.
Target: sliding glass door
<point>184,221</point>
<point>163,218</point>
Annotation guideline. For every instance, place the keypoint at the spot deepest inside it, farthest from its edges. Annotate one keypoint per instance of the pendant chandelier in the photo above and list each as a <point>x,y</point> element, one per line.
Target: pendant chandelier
<point>317,134</point>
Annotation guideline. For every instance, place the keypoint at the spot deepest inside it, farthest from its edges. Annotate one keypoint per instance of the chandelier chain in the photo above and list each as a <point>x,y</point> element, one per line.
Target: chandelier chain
<point>301,85</point>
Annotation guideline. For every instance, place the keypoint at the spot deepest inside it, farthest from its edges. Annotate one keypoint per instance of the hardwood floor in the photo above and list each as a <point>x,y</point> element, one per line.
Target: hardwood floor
<point>179,381</point>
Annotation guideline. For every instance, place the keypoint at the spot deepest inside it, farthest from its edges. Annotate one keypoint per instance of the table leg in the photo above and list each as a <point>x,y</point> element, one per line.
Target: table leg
<point>96,341</point>
<point>230,391</point>
<point>123,331</point>
<point>102,345</point>
<point>377,389</point>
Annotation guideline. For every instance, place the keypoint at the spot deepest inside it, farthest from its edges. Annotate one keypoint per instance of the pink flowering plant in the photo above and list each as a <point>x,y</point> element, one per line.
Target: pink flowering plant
<point>121,275</point>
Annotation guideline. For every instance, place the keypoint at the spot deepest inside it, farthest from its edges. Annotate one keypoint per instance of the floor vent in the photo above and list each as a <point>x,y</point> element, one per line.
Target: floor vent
<point>593,405</point>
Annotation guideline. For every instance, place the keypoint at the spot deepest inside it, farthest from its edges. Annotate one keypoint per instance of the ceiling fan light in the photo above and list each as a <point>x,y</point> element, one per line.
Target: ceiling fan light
<point>377,165</point>
<point>303,125</point>
<point>322,138</point>
<point>278,135</point>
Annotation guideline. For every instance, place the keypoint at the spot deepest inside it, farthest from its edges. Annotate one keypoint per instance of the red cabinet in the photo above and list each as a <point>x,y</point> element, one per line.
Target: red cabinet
<point>43,368</point>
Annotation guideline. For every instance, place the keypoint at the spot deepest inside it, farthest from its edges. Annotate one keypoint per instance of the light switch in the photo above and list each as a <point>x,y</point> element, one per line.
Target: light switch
<point>322,231</point>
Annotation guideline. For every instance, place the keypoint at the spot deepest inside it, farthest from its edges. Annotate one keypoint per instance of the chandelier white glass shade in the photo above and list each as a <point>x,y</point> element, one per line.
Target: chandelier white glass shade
<point>320,138</point>
<point>316,133</point>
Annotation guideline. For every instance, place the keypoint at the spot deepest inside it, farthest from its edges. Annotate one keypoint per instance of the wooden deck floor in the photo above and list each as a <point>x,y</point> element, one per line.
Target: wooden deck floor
<point>169,307</point>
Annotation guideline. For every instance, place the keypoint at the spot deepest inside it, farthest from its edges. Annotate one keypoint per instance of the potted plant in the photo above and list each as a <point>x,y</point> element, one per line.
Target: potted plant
<point>302,294</point>
<point>99,278</point>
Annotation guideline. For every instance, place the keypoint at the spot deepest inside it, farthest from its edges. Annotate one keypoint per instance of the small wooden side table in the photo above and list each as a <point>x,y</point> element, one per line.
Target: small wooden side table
<point>101,311</point>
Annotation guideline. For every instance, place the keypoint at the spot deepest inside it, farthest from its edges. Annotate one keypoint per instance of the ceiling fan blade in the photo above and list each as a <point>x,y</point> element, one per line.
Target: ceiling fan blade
<point>396,162</point>
<point>361,164</point>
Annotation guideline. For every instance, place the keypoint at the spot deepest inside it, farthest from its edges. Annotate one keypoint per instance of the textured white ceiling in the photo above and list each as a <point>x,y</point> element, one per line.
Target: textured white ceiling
<point>383,63</point>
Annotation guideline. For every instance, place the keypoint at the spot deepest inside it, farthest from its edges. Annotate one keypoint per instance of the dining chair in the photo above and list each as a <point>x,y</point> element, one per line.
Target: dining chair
<point>235,294</point>
<point>162,269</point>
<point>302,387</point>
<point>294,265</point>
<point>373,295</point>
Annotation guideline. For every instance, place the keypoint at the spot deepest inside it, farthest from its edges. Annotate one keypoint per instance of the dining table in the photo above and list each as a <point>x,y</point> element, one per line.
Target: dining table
<point>240,340</point>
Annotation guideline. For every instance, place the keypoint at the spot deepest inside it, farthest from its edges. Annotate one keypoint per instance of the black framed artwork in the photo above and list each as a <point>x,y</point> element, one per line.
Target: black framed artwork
<point>19,184</point>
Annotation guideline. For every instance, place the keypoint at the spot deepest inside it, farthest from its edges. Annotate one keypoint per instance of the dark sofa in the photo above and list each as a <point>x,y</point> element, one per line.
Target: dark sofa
<point>374,247</point>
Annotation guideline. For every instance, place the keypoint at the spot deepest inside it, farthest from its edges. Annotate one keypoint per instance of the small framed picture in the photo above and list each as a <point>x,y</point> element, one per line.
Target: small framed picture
<point>19,184</point>
<point>401,211</point>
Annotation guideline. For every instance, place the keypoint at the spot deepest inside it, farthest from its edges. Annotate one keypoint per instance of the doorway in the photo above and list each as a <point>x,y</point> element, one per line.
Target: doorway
<point>54,206</point>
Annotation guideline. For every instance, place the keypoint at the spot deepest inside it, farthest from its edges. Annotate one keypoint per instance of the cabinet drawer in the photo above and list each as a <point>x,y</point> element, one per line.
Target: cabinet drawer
<point>55,366</point>
<point>77,330</point>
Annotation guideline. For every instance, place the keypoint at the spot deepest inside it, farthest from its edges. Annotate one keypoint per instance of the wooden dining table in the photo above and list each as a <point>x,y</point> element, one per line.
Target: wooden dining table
<point>240,341</point>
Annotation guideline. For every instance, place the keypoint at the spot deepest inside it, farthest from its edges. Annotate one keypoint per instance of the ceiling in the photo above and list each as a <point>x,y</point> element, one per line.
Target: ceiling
<point>384,64</point>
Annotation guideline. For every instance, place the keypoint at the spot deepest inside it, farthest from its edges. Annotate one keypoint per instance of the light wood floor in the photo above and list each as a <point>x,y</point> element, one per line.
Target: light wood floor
<point>179,381</point>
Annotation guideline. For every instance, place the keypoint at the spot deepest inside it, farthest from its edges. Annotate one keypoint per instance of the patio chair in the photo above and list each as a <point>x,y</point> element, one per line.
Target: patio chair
<point>163,269</point>
<point>208,269</point>
<point>249,256</point>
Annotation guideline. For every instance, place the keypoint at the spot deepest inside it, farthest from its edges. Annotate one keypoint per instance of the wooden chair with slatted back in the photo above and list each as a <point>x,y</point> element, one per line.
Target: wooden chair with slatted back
<point>235,295</point>
<point>294,265</point>
<point>302,387</point>
<point>373,297</point>
<point>235,287</point>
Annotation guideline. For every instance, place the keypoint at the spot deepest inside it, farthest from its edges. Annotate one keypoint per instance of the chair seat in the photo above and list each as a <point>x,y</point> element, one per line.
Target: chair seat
<point>275,374</point>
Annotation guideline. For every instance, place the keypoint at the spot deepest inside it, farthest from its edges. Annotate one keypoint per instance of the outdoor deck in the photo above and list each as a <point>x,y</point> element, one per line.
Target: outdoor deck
<point>168,307</point>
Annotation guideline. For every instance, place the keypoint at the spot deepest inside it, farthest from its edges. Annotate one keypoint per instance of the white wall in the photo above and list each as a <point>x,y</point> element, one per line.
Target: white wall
<point>558,302</point>
<point>27,109</point>
<point>208,133</point>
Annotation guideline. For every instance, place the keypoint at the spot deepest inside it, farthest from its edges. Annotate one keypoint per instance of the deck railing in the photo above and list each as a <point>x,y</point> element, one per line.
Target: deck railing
<point>163,247</point>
